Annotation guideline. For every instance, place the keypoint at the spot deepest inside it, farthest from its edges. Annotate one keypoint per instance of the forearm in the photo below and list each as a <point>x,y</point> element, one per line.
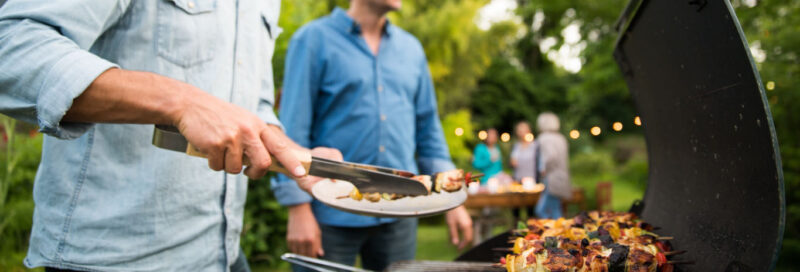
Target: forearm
<point>122,96</point>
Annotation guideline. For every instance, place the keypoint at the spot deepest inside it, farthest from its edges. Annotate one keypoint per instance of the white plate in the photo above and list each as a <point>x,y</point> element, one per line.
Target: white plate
<point>328,192</point>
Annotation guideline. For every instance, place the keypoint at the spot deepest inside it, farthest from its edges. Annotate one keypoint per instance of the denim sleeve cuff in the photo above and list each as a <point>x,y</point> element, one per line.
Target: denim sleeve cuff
<point>287,192</point>
<point>429,166</point>
<point>268,116</point>
<point>65,81</point>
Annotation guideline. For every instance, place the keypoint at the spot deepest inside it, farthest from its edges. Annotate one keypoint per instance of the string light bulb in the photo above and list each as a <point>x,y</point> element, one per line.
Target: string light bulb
<point>482,135</point>
<point>505,137</point>
<point>617,126</point>
<point>595,130</point>
<point>574,134</point>
<point>637,121</point>
<point>459,132</point>
<point>529,137</point>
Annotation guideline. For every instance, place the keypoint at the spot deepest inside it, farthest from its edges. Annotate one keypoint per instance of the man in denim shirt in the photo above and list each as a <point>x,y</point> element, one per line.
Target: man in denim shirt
<point>359,84</point>
<point>106,199</point>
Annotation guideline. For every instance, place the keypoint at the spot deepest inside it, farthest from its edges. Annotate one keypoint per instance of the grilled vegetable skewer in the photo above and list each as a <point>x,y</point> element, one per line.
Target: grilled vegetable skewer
<point>594,241</point>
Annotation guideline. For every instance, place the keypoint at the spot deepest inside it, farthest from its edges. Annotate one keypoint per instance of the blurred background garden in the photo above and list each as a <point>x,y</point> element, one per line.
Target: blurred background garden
<point>495,63</point>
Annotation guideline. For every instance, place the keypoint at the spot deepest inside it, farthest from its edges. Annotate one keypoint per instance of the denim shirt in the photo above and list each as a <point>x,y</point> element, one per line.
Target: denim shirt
<point>375,109</point>
<point>106,199</point>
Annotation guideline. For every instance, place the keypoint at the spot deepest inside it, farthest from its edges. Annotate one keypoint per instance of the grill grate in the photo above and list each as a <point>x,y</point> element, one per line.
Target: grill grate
<point>440,266</point>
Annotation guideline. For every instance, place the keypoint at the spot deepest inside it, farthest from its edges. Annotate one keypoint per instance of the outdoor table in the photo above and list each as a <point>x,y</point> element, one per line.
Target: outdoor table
<point>483,208</point>
<point>484,219</point>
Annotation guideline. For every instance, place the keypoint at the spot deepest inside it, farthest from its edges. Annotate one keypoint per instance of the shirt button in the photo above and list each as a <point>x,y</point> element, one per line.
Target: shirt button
<point>228,212</point>
<point>383,117</point>
<point>239,62</point>
<point>191,5</point>
<point>382,148</point>
<point>380,88</point>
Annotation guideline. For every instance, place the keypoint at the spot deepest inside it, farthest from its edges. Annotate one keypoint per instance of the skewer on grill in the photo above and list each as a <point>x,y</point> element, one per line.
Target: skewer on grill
<point>502,249</point>
<point>662,238</point>
<point>680,262</point>
<point>675,252</point>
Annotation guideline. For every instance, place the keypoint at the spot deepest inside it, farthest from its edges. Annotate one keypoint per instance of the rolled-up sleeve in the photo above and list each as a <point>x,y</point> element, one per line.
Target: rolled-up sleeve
<point>46,63</point>
<point>300,86</point>
<point>433,154</point>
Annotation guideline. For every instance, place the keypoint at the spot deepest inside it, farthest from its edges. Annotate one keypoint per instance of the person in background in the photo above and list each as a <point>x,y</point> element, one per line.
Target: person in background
<point>358,83</point>
<point>487,157</point>
<point>523,160</point>
<point>553,166</point>
<point>95,75</point>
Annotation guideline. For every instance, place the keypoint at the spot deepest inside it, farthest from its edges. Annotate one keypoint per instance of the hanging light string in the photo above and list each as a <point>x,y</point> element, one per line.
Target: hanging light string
<point>574,134</point>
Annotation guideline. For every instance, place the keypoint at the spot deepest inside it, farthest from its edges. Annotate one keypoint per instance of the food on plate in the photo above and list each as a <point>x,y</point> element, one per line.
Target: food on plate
<point>425,180</point>
<point>372,197</point>
<point>449,181</point>
<point>593,241</point>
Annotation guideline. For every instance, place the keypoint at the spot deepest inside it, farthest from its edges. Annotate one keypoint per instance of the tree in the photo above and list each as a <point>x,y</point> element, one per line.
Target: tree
<point>458,51</point>
<point>527,80</point>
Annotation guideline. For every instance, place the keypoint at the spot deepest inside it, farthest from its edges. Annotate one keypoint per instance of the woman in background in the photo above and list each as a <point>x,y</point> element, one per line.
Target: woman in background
<point>553,166</point>
<point>486,157</point>
<point>523,160</point>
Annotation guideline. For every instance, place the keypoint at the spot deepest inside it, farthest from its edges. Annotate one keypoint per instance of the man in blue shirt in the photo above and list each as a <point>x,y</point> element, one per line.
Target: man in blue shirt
<point>359,84</point>
<point>92,73</point>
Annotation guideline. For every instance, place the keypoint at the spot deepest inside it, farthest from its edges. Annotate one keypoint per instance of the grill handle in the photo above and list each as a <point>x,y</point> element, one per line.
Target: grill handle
<point>319,265</point>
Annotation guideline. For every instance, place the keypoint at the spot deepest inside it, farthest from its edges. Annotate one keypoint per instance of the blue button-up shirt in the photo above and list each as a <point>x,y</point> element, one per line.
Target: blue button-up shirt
<point>106,199</point>
<point>375,109</point>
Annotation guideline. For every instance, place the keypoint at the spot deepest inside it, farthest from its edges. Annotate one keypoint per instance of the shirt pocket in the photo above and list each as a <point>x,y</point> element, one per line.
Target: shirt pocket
<point>269,17</point>
<point>187,31</point>
<point>271,24</point>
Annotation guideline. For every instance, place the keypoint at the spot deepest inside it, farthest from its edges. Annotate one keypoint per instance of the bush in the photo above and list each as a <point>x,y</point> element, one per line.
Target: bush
<point>263,237</point>
<point>19,158</point>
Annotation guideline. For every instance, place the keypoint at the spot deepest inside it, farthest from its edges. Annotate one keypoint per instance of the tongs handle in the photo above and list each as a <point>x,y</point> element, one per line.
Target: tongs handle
<point>168,137</point>
<point>319,265</point>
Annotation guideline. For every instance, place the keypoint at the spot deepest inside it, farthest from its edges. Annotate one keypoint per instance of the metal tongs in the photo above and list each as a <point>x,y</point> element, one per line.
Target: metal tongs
<point>367,178</point>
<point>319,265</point>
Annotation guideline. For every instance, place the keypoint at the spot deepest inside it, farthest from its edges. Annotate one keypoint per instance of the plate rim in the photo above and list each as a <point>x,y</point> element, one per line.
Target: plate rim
<point>378,213</point>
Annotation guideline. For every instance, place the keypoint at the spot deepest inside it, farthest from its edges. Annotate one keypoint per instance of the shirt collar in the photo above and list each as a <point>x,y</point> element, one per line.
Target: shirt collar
<point>351,26</point>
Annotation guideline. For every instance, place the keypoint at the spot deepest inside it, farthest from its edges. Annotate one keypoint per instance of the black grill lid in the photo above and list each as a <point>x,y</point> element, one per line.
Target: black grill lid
<point>715,180</point>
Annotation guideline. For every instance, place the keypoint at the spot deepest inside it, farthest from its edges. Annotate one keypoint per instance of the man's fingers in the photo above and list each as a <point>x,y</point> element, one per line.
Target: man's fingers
<point>317,246</point>
<point>308,248</point>
<point>466,231</point>
<point>216,159</point>
<point>320,252</point>
<point>293,247</point>
<point>277,146</point>
<point>453,233</point>
<point>233,160</point>
<point>259,159</point>
<point>307,182</point>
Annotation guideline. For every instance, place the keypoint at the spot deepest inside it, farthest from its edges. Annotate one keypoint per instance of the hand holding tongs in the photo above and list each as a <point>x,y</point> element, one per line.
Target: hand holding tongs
<point>367,178</point>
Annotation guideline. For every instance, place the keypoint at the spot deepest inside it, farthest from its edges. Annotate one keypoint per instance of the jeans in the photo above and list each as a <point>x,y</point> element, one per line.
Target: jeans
<point>379,246</point>
<point>549,206</point>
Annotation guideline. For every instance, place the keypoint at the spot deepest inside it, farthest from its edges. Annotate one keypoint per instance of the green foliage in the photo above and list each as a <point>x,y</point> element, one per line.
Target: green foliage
<point>458,51</point>
<point>524,81</point>
<point>460,146</point>
<point>19,159</point>
<point>263,238</point>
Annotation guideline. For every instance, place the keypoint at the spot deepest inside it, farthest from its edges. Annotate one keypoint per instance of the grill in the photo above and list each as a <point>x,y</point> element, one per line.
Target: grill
<point>437,266</point>
<point>715,182</point>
